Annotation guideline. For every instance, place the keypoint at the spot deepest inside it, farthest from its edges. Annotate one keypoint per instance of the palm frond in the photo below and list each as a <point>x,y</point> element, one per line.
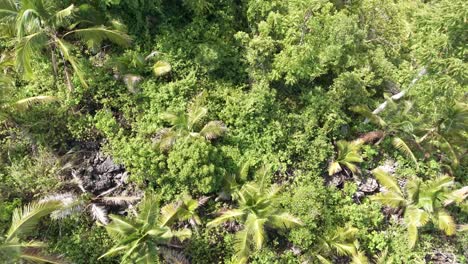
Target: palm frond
<point>367,113</point>
<point>172,256</point>
<point>195,114</point>
<point>403,147</point>
<point>242,247</point>
<point>390,198</point>
<point>149,209</point>
<point>61,15</point>
<point>119,200</point>
<point>213,130</point>
<point>446,223</point>
<point>456,196</point>
<point>99,213</point>
<point>415,216</point>
<point>285,221</point>
<point>26,103</point>
<point>412,235</point>
<point>387,181</point>
<point>165,139</point>
<point>35,255</point>
<point>256,230</point>
<point>161,68</point>
<point>359,258</point>
<point>169,214</point>
<point>226,216</point>
<point>27,48</point>
<point>182,234</point>
<point>120,227</point>
<point>65,49</point>
<point>334,167</point>
<point>25,219</point>
<point>94,36</point>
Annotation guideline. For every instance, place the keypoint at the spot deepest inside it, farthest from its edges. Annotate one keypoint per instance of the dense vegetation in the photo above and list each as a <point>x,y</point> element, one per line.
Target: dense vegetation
<point>246,131</point>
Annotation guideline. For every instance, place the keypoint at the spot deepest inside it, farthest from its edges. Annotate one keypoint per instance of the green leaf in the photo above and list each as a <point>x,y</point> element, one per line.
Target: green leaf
<point>161,68</point>
<point>387,181</point>
<point>446,223</point>
<point>25,219</point>
<point>226,216</point>
<point>403,147</point>
<point>94,36</point>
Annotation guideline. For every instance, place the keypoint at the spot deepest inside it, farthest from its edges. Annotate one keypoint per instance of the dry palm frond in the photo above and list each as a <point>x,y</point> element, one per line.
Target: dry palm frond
<point>99,213</point>
<point>120,200</point>
<point>26,103</point>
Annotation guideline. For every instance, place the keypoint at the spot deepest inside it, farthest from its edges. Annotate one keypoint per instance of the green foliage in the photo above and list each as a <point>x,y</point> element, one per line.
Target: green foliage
<point>295,84</point>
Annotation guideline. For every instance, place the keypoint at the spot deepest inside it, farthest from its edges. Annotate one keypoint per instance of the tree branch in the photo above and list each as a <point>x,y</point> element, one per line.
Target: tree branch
<point>399,95</point>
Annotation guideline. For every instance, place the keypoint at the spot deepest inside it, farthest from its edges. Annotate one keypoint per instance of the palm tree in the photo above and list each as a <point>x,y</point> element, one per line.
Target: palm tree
<point>399,126</point>
<point>44,27</point>
<point>12,247</point>
<point>257,210</point>
<point>348,154</point>
<point>142,238</point>
<point>184,125</point>
<point>342,241</point>
<point>421,201</point>
<point>183,210</point>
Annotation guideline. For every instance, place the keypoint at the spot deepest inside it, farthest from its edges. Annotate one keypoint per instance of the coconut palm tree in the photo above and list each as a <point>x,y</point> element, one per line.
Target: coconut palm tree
<point>348,154</point>
<point>142,238</point>
<point>183,210</point>
<point>42,27</point>
<point>400,127</point>
<point>342,241</point>
<point>13,249</point>
<point>184,125</point>
<point>421,201</point>
<point>257,210</point>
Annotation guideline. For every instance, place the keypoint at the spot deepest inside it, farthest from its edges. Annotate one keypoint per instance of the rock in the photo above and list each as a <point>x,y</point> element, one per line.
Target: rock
<point>369,185</point>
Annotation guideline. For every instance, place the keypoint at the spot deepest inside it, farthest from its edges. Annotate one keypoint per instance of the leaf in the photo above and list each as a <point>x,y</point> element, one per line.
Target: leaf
<point>161,68</point>
<point>415,216</point>
<point>226,216</point>
<point>169,214</point>
<point>241,245</point>
<point>24,220</point>
<point>65,50</point>
<point>391,199</point>
<point>34,255</point>
<point>285,221</point>
<point>403,147</point>
<point>99,213</point>
<point>333,168</point>
<point>412,235</point>
<point>26,103</point>
<point>120,227</point>
<point>27,48</point>
<point>456,196</point>
<point>213,130</point>
<point>94,36</point>
<point>120,200</point>
<point>387,181</point>
<point>367,113</point>
<point>446,223</point>
<point>61,15</point>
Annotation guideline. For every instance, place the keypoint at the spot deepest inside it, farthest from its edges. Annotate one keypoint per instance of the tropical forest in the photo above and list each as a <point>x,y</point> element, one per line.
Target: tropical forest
<point>233,131</point>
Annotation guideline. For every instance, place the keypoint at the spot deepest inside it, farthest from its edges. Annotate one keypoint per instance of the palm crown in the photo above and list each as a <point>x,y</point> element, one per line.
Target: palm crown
<point>422,202</point>
<point>142,238</point>
<point>348,154</point>
<point>184,125</point>
<point>44,26</point>
<point>256,211</point>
